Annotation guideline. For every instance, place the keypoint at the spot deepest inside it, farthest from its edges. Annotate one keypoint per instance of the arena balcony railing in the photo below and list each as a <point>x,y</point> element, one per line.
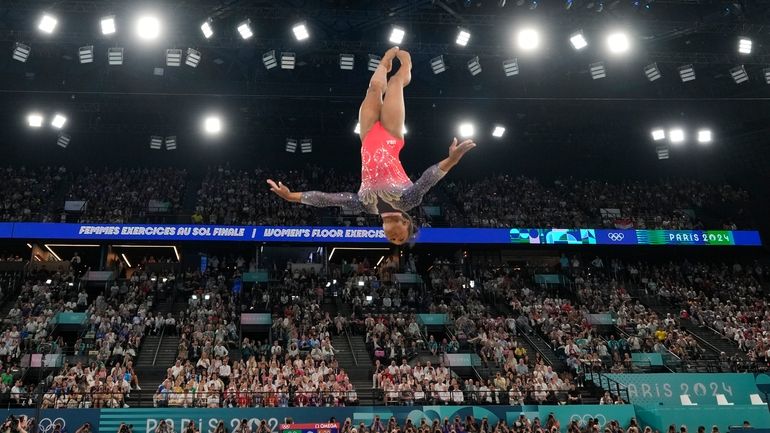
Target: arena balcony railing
<point>367,397</point>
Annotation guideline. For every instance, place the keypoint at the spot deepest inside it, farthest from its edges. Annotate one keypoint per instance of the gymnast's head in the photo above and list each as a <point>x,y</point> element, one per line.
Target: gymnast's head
<point>398,227</point>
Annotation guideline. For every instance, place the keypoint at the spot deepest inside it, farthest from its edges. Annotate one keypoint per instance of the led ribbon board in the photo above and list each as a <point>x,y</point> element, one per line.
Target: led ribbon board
<point>309,428</point>
<point>509,236</point>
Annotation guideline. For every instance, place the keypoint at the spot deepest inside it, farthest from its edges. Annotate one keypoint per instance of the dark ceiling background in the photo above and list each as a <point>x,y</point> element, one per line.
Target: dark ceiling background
<point>560,122</point>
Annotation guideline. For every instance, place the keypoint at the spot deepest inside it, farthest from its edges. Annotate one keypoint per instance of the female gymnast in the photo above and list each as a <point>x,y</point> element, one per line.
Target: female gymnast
<point>385,188</point>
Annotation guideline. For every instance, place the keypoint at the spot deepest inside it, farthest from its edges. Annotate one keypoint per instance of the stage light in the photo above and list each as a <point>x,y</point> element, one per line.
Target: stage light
<point>739,74</point>
<point>687,73</point>
<point>745,45</point>
<point>58,121</point>
<point>676,136</point>
<point>498,132</point>
<point>47,24</point>
<point>528,39</point>
<point>158,72</point>
<point>374,61</point>
<point>108,25</point>
<point>306,145</point>
<point>269,59</point>
<point>35,120</point>
<point>207,29</point>
<point>404,130</point>
<point>463,36</point>
<point>86,54</point>
<point>597,70</point>
<point>156,142</point>
<point>193,58</point>
<point>212,125</point>
<point>63,141</point>
<point>244,28</point>
<point>115,56</point>
<point>291,145</point>
<point>766,71</point>
<point>474,66</point>
<point>397,35</point>
<point>437,65</point>
<point>347,61</point>
<point>704,136</point>
<point>288,60</point>
<point>357,129</point>
<point>467,130</point>
<point>511,67</point>
<point>578,41</point>
<point>148,28</point>
<point>618,43</point>
<point>171,142</point>
<point>652,72</point>
<point>662,152</point>
<point>174,57</point>
<point>658,134</point>
<point>21,52</point>
<point>300,32</point>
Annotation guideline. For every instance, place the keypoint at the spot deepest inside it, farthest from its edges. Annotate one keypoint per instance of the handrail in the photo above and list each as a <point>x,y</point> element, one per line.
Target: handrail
<point>160,342</point>
<point>350,346</point>
<point>524,335</point>
<point>619,387</point>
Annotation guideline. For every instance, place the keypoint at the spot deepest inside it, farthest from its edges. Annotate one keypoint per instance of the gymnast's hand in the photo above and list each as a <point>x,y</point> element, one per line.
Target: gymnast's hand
<point>456,152</point>
<point>283,191</point>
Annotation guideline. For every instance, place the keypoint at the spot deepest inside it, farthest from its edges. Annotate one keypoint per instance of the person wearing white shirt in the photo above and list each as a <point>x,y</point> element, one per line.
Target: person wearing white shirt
<point>224,371</point>
<point>457,396</point>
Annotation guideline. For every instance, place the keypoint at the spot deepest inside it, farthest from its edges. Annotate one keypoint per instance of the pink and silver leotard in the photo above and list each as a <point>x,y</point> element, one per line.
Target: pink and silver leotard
<point>384,183</point>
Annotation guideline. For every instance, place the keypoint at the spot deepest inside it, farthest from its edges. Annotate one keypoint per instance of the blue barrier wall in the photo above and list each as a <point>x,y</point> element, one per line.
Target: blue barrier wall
<point>665,388</point>
<point>146,420</point>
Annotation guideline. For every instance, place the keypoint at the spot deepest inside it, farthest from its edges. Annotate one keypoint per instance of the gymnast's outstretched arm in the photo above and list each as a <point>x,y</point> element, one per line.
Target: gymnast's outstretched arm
<point>345,200</point>
<point>413,195</point>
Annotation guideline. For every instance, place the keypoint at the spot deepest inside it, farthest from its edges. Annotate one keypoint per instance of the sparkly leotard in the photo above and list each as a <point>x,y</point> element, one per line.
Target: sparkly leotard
<point>384,183</point>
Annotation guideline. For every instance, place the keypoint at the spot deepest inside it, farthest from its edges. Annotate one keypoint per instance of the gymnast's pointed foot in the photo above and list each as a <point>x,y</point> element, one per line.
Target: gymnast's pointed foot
<point>380,77</point>
<point>404,73</point>
<point>387,58</point>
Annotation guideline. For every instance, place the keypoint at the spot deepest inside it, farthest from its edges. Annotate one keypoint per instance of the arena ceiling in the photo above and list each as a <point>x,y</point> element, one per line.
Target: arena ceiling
<point>556,114</point>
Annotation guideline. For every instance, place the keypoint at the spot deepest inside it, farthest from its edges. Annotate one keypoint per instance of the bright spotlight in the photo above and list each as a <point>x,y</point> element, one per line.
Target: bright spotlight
<point>35,120</point>
<point>397,35</point>
<point>498,132</point>
<point>207,29</point>
<point>108,25</point>
<point>528,39</point>
<point>704,136</point>
<point>744,45</point>
<point>676,135</point>
<point>467,130</point>
<point>618,43</point>
<point>578,41</point>
<point>357,129</point>
<point>212,125</point>
<point>300,32</point>
<point>244,29</point>
<point>58,121</point>
<point>148,28</point>
<point>47,24</point>
<point>463,36</point>
<point>658,134</point>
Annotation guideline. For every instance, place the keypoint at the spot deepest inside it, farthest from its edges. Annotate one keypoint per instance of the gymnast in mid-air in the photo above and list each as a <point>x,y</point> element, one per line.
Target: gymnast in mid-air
<point>385,190</point>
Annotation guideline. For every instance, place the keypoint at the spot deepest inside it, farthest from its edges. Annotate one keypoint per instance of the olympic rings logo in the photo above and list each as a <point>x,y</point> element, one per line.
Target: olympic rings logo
<point>616,237</point>
<point>585,419</point>
<point>47,425</point>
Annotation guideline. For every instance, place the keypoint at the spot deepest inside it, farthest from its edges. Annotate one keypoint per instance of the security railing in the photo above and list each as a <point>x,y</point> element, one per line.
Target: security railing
<point>202,399</point>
